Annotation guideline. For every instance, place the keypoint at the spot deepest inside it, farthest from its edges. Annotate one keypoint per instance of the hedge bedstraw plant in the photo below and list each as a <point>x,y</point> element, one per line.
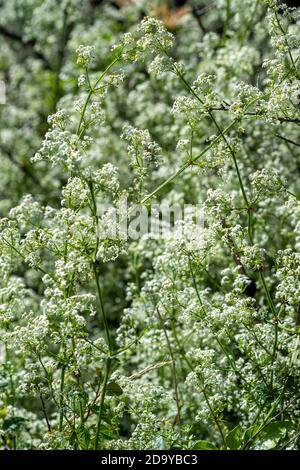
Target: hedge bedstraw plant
<point>184,341</point>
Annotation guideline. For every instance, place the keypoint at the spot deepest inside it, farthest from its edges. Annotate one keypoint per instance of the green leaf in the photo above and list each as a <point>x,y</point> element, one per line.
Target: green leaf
<point>272,434</point>
<point>95,408</point>
<point>13,423</point>
<point>249,433</point>
<point>204,445</point>
<point>234,438</point>
<point>84,433</point>
<point>113,389</point>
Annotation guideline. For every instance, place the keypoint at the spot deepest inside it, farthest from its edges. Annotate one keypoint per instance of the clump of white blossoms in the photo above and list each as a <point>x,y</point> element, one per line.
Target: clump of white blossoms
<point>144,155</point>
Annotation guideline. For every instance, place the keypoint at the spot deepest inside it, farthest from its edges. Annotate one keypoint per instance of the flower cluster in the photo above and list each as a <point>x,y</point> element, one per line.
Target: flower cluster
<point>189,339</point>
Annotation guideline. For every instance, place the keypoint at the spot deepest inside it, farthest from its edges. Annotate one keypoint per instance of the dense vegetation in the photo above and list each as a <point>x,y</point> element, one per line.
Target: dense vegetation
<point>188,340</point>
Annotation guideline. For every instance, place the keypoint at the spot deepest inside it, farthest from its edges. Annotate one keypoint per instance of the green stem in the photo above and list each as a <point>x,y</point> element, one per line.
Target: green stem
<point>213,415</point>
<point>221,132</point>
<point>230,359</point>
<point>95,215</point>
<point>286,43</point>
<point>269,298</point>
<point>45,412</point>
<point>226,23</point>
<point>255,114</point>
<point>101,304</point>
<point>173,364</point>
<point>289,141</point>
<point>190,365</point>
<point>232,152</point>
<point>189,163</point>
<point>90,93</point>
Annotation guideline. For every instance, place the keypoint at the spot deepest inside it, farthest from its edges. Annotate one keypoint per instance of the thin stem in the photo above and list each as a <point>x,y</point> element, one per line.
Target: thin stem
<point>269,298</point>
<point>80,387</point>
<point>61,401</point>
<point>101,304</point>
<point>226,23</point>
<point>90,93</point>
<point>255,114</point>
<point>95,215</point>
<point>252,333</point>
<point>103,394</point>
<point>215,419</point>
<point>287,140</point>
<point>45,412</point>
<point>173,364</point>
<point>230,359</point>
<point>286,43</point>
<point>49,379</point>
<point>94,400</point>
<point>189,163</point>
<point>267,419</point>
<point>37,268</point>
<point>221,132</point>
<point>214,416</point>
<point>232,152</point>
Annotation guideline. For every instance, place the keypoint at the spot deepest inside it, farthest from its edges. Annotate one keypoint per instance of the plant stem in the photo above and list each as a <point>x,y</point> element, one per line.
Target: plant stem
<point>254,114</point>
<point>45,412</point>
<point>200,378</point>
<point>189,163</point>
<point>90,93</point>
<point>101,304</point>
<point>286,43</point>
<point>103,394</point>
<point>248,205</point>
<point>61,401</point>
